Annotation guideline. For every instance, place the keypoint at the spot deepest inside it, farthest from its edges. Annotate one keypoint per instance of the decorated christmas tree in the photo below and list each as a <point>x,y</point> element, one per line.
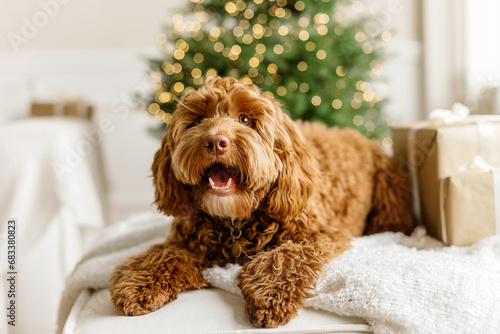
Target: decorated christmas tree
<point>316,60</point>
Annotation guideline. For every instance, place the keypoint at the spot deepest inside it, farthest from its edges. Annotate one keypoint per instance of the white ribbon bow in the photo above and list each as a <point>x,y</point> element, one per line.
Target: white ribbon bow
<point>457,114</point>
<point>478,165</point>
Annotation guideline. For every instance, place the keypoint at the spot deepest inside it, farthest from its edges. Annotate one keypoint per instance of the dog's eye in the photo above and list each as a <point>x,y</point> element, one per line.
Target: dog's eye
<point>244,119</point>
<point>196,122</point>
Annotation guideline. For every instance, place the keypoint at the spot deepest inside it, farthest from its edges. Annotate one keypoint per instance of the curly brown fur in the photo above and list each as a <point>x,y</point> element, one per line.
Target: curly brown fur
<point>153,279</point>
<point>248,185</point>
<point>276,283</point>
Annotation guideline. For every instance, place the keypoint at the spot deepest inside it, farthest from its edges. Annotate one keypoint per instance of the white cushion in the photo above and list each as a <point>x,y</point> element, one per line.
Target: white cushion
<point>15,100</point>
<point>199,311</point>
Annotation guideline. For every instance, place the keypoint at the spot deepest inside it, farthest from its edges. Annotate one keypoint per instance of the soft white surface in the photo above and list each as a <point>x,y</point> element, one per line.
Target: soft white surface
<point>401,284</point>
<point>200,311</point>
<point>117,243</point>
<point>398,284</point>
<point>53,213</point>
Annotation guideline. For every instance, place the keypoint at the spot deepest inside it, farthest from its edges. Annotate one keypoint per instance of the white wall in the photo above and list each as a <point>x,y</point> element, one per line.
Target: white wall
<point>96,48</point>
<point>401,78</point>
<point>482,54</point>
<point>84,24</point>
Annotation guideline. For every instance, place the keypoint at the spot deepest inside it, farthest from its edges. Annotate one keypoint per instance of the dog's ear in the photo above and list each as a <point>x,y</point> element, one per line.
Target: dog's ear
<point>171,196</point>
<point>298,177</point>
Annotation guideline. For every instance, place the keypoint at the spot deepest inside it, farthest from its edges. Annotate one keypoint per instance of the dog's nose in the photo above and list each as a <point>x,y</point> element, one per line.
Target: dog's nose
<point>217,144</point>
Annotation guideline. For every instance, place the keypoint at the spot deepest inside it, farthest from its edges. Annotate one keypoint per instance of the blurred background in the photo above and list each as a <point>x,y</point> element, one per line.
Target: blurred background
<point>64,178</point>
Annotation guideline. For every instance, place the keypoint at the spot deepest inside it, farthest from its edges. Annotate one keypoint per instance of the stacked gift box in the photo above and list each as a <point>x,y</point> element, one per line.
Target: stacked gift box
<point>72,108</point>
<point>454,164</point>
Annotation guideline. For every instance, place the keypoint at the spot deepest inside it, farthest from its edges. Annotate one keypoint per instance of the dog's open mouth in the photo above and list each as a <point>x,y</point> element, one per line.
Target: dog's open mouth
<point>222,180</point>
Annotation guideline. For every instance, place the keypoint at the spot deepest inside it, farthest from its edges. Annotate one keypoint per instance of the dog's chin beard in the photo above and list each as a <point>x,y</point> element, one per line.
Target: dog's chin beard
<point>238,205</point>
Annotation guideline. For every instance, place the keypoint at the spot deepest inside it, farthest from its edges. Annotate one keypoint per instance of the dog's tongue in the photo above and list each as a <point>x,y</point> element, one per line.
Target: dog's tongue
<point>220,175</point>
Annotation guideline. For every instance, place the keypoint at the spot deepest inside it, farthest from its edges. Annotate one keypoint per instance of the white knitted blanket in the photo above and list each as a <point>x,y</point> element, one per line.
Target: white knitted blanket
<point>398,284</point>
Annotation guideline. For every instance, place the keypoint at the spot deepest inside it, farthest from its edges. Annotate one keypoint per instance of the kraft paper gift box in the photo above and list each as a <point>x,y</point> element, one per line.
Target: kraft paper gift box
<point>75,108</point>
<point>439,150</point>
<point>470,204</point>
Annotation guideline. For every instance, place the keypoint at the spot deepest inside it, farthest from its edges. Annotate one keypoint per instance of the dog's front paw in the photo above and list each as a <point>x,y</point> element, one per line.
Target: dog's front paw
<point>273,297</point>
<point>137,293</point>
<point>272,308</point>
<point>146,282</point>
<point>140,300</point>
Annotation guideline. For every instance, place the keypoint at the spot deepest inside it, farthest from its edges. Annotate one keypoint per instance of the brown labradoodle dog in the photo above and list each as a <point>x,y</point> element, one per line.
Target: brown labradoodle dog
<point>248,185</point>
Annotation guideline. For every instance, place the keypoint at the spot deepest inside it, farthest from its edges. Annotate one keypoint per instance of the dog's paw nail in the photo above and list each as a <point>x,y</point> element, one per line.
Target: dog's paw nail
<point>154,308</point>
<point>262,322</point>
<point>253,320</point>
